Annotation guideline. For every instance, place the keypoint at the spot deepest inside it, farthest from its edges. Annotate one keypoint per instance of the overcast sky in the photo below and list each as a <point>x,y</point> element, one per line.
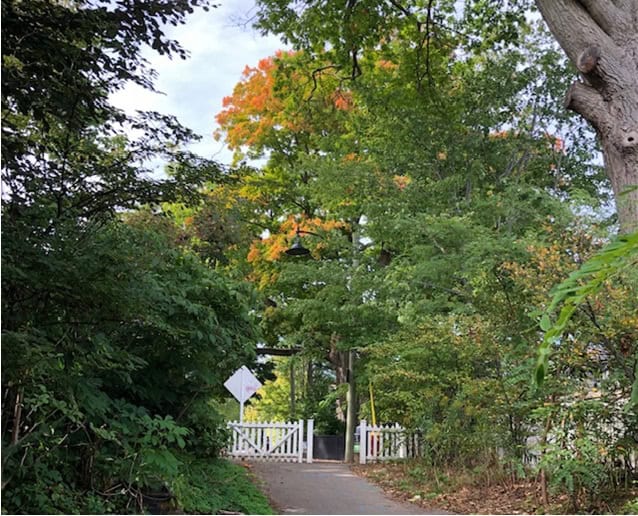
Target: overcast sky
<point>220,48</point>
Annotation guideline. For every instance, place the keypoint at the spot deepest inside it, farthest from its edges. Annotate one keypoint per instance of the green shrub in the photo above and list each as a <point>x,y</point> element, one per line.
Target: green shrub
<point>575,467</point>
<point>209,486</point>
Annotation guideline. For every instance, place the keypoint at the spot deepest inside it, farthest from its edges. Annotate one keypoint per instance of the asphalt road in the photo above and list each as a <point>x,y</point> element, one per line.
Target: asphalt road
<point>325,488</point>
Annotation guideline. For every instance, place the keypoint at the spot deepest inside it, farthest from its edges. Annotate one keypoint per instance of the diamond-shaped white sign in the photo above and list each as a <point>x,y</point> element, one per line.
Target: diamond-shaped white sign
<point>242,384</point>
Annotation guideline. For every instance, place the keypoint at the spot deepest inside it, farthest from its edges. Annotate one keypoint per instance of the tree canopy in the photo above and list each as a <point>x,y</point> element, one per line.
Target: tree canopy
<point>420,150</point>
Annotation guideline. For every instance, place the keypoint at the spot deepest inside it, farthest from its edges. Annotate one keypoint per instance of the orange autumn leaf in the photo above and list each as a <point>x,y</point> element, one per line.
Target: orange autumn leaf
<point>343,100</point>
<point>401,182</point>
<point>386,65</point>
<point>556,143</point>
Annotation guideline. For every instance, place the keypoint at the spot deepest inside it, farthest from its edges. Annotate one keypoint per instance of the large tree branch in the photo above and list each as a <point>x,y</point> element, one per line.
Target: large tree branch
<point>586,101</point>
<point>607,16</point>
<point>630,9</point>
<point>572,26</point>
<point>588,46</point>
<point>398,6</point>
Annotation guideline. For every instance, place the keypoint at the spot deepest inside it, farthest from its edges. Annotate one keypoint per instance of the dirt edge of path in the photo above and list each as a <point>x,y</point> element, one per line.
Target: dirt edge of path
<point>397,495</point>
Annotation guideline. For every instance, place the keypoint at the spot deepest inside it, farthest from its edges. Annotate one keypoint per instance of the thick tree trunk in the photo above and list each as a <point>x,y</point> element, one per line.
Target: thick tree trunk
<point>601,38</point>
<point>351,402</point>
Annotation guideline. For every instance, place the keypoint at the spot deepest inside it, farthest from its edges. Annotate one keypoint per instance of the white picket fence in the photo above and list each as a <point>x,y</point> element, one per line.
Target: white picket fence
<point>284,442</point>
<point>270,441</point>
<point>387,442</point>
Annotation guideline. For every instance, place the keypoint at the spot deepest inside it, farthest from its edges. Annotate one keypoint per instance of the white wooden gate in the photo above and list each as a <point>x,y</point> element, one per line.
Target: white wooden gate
<point>387,442</point>
<point>270,441</point>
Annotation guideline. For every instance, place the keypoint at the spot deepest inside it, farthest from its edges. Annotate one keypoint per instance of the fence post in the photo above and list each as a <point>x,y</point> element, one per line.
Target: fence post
<point>233,437</point>
<point>310,440</point>
<point>404,440</point>
<point>300,442</point>
<point>363,441</point>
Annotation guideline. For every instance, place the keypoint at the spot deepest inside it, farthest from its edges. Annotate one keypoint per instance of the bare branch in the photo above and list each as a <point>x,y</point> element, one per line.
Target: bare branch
<point>356,69</point>
<point>316,72</point>
<point>428,21</point>
<point>400,8</point>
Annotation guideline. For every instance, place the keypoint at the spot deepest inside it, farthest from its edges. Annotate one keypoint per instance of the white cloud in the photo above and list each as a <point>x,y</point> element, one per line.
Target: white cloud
<point>220,47</point>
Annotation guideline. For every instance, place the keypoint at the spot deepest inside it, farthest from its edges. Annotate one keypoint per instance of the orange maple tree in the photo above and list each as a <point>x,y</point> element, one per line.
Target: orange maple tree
<point>282,104</point>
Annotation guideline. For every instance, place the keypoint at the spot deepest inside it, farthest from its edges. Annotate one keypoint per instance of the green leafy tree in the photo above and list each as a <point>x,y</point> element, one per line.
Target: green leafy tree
<point>466,192</point>
<point>116,340</point>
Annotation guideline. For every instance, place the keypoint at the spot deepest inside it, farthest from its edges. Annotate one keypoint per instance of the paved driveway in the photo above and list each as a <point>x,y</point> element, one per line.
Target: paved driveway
<point>326,488</point>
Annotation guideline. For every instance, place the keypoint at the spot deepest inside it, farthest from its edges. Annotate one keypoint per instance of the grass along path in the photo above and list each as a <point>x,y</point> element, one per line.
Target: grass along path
<point>219,486</point>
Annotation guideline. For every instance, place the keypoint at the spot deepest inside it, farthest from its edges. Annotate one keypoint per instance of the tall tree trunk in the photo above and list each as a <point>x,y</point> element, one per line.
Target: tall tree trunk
<point>309,378</point>
<point>601,38</point>
<point>351,403</point>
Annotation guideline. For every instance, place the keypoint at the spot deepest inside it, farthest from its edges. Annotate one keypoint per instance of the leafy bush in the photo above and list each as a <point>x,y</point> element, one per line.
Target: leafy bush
<point>110,375</point>
<point>577,468</point>
<point>631,507</point>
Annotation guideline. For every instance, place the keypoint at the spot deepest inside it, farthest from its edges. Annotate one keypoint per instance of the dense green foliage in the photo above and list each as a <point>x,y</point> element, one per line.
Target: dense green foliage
<point>116,339</point>
<point>589,279</point>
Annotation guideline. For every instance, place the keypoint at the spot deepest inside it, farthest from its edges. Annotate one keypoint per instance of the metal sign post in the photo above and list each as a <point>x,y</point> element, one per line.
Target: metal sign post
<point>242,400</point>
